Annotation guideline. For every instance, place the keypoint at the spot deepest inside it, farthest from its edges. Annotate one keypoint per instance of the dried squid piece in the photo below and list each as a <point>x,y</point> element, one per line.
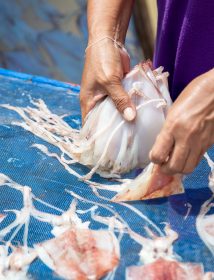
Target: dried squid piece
<point>205,221</point>
<point>15,265</point>
<point>163,269</point>
<point>81,253</point>
<point>205,224</point>
<point>151,183</point>
<point>157,247</point>
<point>161,263</point>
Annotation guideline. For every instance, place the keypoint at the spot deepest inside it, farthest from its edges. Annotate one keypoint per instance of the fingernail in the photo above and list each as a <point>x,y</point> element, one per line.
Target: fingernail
<point>129,114</point>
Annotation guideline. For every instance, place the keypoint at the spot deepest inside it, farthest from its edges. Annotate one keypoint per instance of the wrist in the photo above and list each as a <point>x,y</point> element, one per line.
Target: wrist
<point>114,32</point>
<point>104,38</point>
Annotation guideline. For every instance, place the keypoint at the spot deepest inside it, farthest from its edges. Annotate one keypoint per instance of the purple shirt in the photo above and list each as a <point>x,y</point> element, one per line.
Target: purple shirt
<point>185,40</point>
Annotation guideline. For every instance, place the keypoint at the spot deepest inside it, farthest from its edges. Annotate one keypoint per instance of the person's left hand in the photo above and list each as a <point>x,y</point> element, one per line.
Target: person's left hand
<point>189,128</point>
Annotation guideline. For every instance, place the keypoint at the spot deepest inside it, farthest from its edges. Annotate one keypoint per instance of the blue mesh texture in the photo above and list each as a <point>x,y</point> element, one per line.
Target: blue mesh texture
<point>48,179</point>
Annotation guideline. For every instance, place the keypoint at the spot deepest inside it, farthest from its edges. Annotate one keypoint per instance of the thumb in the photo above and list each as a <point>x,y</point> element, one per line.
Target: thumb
<point>122,101</point>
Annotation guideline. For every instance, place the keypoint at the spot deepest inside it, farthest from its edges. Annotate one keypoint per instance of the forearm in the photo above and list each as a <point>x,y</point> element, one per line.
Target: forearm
<point>202,95</point>
<point>108,18</point>
<point>209,100</point>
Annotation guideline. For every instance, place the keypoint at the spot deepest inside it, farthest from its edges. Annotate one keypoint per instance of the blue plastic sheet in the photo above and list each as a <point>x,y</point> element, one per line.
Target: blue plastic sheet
<point>48,179</point>
<point>48,38</point>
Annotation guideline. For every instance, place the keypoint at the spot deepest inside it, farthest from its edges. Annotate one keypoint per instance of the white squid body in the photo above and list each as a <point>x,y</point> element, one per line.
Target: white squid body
<point>113,146</point>
<point>108,144</point>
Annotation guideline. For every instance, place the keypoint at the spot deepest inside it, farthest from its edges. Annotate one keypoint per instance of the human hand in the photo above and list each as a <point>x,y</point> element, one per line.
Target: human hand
<point>105,67</point>
<point>189,128</point>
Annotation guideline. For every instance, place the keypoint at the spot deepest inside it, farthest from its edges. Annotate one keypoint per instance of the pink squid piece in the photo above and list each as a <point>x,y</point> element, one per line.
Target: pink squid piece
<point>81,253</point>
<point>151,183</point>
<point>163,269</point>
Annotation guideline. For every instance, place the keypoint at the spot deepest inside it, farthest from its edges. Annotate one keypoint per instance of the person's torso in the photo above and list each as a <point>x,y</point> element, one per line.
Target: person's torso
<point>185,40</point>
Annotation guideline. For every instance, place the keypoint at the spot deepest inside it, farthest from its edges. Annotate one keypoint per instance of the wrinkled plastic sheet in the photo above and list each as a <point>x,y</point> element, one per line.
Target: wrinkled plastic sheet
<point>48,179</point>
<point>49,37</point>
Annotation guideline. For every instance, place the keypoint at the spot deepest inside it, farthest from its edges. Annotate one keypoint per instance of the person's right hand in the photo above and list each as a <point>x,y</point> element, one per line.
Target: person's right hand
<point>105,67</point>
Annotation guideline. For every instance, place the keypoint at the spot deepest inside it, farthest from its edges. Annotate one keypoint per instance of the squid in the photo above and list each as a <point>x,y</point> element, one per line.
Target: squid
<point>151,183</point>
<point>109,144</point>
<point>163,269</point>
<point>87,247</point>
<point>15,265</point>
<point>205,221</point>
<point>106,143</point>
<point>205,224</point>
<point>160,262</point>
<point>81,253</point>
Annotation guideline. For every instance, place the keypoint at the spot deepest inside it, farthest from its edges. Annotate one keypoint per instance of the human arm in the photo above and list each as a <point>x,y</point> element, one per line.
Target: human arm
<point>189,128</point>
<point>105,64</point>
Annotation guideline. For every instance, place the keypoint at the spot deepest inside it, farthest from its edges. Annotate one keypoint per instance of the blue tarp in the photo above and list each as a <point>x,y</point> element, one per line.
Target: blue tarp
<point>48,38</point>
<point>48,179</point>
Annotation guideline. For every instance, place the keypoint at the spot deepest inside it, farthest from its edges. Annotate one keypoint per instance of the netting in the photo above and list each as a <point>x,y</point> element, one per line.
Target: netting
<point>54,188</point>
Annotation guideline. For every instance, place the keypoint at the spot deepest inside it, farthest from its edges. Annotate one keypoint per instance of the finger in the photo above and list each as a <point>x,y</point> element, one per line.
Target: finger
<point>122,101</point>
<point>192,160</point>
<point>162,148</point>
<point>177,159</point>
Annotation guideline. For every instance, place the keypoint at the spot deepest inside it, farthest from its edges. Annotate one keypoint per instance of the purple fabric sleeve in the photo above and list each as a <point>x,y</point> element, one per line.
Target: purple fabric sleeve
<point>185,40</point>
